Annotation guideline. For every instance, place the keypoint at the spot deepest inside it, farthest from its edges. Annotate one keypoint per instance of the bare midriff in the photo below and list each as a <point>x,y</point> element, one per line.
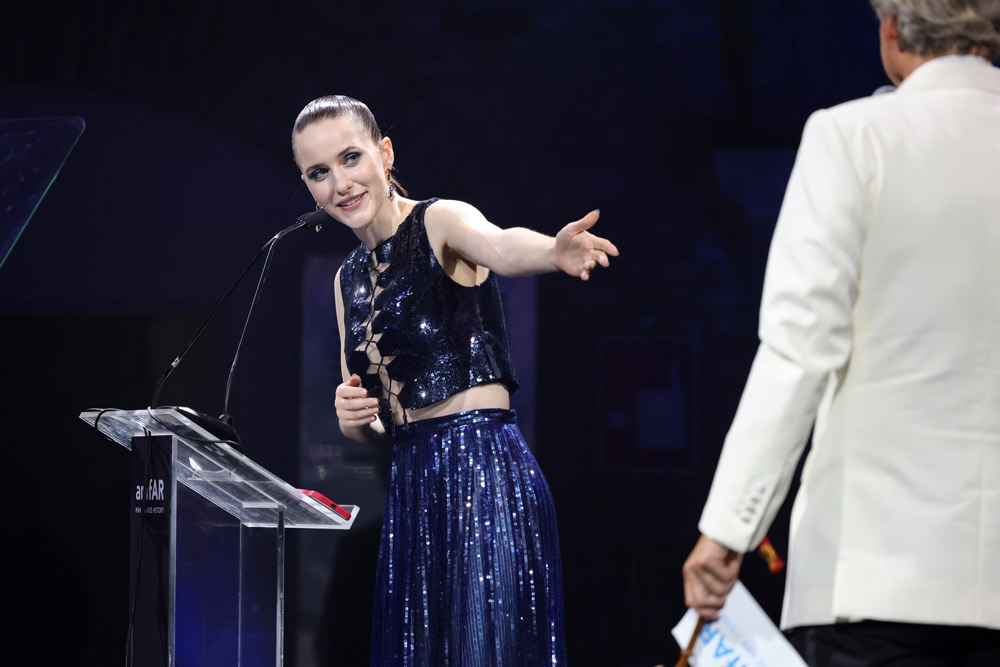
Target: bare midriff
<point>480,397</point>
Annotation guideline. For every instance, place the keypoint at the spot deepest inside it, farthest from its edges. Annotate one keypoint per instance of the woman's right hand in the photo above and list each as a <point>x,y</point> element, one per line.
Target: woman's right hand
<point>354,407</point>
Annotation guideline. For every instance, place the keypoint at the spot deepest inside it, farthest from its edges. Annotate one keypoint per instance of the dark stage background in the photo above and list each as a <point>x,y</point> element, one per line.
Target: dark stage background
<point>679,120</point>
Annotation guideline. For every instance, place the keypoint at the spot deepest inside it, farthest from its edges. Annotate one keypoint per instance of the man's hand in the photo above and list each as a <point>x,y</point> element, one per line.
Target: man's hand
<point>710,572</point>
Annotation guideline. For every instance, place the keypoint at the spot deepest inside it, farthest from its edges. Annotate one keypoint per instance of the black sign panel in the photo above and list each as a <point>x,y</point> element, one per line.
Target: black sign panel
<point>150,562</point>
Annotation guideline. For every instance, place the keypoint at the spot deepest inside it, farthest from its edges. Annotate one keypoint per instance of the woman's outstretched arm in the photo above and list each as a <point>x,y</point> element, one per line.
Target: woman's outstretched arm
<point>460,228</point>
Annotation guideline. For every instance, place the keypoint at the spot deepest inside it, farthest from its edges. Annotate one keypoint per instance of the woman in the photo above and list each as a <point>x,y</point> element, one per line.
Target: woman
<point>469,570</point>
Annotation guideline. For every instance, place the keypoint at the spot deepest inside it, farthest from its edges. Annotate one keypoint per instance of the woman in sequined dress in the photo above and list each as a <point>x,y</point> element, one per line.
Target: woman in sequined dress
<point>469,571</point>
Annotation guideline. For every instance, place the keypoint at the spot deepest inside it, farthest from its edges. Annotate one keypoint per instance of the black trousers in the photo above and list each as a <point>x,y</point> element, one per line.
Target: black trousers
<point>887,644</point>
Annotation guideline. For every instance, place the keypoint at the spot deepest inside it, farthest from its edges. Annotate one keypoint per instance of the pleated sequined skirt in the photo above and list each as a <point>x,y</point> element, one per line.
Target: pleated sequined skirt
<point>469,572</point>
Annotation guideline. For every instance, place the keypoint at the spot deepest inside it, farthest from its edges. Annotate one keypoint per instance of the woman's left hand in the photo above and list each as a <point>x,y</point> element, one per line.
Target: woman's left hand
<point>578,252</point>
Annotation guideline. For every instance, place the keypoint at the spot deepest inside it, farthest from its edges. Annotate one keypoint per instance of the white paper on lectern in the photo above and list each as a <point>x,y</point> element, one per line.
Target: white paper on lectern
<point>743,636</point>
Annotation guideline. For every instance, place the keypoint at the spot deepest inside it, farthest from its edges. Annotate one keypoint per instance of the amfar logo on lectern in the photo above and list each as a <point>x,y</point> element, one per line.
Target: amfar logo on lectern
<point>154,491</point>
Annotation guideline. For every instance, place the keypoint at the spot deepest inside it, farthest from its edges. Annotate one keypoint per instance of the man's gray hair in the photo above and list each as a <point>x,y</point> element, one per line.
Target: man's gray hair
<point>937,27</point>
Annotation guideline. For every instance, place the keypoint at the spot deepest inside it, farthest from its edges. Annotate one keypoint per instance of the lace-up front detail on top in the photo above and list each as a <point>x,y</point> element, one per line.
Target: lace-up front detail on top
<point>374,332</point>
<point>413,335</point>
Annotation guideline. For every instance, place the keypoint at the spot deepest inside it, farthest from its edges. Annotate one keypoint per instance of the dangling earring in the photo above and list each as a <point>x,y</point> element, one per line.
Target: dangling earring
<point>392,186</point>
<point>318,207</point>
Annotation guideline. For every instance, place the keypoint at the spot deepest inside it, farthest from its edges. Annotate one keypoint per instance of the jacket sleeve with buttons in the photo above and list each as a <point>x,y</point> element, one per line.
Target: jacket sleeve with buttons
<point>810,286</point>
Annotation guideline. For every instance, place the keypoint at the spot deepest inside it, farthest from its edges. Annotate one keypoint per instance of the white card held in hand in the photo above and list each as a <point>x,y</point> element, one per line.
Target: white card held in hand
<point>742,637</point>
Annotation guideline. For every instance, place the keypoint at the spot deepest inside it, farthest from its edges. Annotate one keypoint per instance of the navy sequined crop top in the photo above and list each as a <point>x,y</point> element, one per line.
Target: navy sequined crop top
<point>414,335</point>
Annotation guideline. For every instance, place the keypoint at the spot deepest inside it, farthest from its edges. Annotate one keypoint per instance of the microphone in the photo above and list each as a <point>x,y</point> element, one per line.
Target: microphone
<point>222,427</point>
<point>314,218</point>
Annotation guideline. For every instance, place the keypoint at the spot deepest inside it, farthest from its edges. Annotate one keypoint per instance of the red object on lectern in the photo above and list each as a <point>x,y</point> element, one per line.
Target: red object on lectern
<point>326,501</point>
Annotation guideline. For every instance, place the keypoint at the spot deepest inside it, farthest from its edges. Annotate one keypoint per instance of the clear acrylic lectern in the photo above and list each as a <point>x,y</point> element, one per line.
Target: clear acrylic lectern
<point>208,543</point>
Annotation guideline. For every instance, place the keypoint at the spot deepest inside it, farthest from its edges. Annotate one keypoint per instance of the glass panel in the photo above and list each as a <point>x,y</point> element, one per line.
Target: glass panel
<point>32,151</point>
<point>219,473</point>
<point>262,612</point>
<point>207,611</point>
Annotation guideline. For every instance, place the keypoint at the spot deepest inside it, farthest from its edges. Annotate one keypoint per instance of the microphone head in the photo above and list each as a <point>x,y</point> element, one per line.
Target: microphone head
<point>314,219</point>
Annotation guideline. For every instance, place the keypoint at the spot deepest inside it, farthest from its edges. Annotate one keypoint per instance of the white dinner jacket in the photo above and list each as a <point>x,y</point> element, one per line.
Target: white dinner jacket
<point>880,332</point>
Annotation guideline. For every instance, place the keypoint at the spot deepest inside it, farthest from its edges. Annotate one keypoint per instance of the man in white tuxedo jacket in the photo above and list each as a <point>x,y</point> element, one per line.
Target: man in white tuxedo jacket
<point>880,334</point>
